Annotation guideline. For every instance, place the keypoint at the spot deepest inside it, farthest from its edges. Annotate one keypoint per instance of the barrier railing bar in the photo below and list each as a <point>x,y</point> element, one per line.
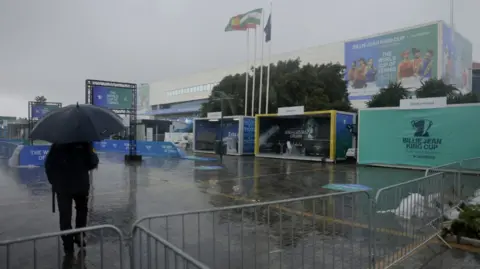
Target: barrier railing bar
<point>170,246</point>
<point>403,183</point>
<point>8,243</point>
<point>427,171</point>
<point>245,206</point>
<point>53,234</point>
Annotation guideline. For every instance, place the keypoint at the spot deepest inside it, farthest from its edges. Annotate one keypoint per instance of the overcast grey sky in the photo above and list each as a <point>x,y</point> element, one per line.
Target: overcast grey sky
<point>49,47</point>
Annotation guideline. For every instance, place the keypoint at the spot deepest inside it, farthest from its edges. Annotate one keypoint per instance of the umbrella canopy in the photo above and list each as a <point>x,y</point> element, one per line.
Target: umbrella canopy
<point>77,123</point>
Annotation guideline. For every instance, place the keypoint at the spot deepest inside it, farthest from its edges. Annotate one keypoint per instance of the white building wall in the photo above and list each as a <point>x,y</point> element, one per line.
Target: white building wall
<point>199,85</point>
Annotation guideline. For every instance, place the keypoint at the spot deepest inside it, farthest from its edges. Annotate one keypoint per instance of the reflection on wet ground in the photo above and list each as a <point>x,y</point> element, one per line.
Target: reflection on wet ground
<point>279,234</point>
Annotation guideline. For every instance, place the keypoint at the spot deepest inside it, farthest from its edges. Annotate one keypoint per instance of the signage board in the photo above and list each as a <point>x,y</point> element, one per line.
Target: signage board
<point>112,97</point>
<point>33,155</point>
<point>214,115</point>
<point>39,110</point>
<point>418,137</point>
<point>291,110</point>
<point>421,103</point>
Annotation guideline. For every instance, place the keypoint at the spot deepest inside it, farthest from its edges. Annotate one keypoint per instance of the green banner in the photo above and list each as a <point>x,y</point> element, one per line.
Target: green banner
<point>420,137</point>
<point>112,97</point>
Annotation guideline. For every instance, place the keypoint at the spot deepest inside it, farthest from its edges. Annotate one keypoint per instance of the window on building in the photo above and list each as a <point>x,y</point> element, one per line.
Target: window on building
<point>193,89</point>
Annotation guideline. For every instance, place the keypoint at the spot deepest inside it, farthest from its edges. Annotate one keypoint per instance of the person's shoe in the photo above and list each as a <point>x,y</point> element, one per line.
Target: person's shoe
<point>68,246</point>
<point>81,259</point>
<point>69,251</point>
<point>79,242</point>
<point>68,260</point>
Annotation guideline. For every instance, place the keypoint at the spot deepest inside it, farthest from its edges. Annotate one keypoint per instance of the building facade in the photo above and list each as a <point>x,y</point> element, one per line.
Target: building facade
<point>410,56</point>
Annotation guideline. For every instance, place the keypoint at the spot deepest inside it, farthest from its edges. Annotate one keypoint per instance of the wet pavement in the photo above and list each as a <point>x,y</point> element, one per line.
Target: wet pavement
<point>437,256</point>
<point>277,233</point>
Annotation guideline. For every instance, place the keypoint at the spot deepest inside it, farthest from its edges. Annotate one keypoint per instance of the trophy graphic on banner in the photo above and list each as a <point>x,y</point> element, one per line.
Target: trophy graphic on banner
<point>421,127</point>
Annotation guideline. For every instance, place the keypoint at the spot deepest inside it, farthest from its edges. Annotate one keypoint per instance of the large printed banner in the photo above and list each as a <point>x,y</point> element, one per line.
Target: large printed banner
<point>296,136</point>
<point>208,131</point>
<point>143,98</point>
<point>248,135</point>
<point>408,57</point>
<point>456,60</point>
<point>420,137</point>
<point>112,97</point>
<point>40,110</point>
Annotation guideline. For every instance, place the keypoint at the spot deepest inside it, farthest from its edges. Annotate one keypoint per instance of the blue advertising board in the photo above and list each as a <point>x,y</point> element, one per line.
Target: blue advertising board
<point>112,97</point>
<point>205,135</point>
<point>33,155</point>
<point>208,131</point>
<point>248,135</point>
<point>40,110</point>
<point>344,138</point>
<point>145,148</point>
<point>230,135</point>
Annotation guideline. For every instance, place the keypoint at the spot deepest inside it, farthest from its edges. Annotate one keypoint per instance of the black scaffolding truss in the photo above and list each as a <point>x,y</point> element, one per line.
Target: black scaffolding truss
<point>33,115</point>
<point>130,112</point>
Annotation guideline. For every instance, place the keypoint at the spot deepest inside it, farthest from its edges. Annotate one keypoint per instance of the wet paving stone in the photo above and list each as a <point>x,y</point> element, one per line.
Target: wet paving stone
<point>278,234</point>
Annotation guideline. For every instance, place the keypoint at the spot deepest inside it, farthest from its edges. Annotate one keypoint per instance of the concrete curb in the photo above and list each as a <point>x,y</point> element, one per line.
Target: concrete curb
<point>463,241</point>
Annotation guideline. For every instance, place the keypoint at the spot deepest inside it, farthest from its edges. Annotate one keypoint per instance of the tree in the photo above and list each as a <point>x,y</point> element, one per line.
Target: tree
<point>389,96</point>
<point>317,87</point>
<point>436,88</point>
<point>463,98</point>
<point>40,99</point>
<point>394,92</point>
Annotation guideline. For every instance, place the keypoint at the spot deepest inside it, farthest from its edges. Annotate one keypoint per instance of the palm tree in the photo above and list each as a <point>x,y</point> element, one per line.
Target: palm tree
<point>389,96</point>
<point>40,99</point>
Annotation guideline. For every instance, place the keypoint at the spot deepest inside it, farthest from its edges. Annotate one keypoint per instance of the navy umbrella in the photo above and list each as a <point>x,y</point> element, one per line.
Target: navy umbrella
<point>77,123</point>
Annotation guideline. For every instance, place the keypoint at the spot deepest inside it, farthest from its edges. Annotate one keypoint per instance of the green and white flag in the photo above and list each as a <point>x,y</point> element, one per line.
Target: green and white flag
<point>252,18</point>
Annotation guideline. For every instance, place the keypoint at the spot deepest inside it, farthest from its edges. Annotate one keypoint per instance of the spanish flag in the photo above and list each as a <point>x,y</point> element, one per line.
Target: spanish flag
<point>245,21</point>
<point>234,24</point>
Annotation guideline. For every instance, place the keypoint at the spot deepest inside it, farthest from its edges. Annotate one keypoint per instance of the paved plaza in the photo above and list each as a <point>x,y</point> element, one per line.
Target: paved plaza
<point>122,194</point>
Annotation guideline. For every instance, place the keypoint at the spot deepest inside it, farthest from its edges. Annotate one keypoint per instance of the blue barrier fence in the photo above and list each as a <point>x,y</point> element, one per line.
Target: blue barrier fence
<point>7,148</point>
<point>145,148</point>
<point>33,155</point>
<point>36,154</point>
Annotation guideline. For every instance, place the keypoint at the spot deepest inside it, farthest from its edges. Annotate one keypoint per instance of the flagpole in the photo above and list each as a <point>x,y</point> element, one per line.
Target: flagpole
<point>267,98</point>
<point>260,90</point>
<point>246,73</point>
<point>254,69</point>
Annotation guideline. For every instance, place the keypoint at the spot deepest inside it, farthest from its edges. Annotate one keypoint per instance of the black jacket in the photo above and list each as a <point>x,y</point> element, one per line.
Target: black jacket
<point>67,167</point>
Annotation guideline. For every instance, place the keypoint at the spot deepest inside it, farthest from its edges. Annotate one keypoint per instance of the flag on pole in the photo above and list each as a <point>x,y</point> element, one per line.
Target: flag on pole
<point>268,29</point>
<point>245,21</point>
<point>234,24</point>
<point>268,38</point>
<point>252,18</point>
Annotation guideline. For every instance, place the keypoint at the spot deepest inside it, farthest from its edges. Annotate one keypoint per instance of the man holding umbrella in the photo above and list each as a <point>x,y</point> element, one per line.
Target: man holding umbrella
<point>67,167</point>
<point>71,130</point>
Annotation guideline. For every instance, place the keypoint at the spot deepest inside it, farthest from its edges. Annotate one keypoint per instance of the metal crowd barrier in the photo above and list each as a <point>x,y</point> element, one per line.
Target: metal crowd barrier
<point>456,171</point>
<point>151,251</point>
<point>323,231</point>
<point>104,249</point>
<point>415,210</point>
<point>7,149</point>
<point>335,230</point>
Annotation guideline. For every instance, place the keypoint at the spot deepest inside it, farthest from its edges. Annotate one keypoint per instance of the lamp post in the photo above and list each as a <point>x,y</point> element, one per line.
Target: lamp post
<point>220,97</point>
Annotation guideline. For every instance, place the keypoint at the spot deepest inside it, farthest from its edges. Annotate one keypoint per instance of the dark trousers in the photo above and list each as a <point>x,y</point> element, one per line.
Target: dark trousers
<point>64,201</point>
